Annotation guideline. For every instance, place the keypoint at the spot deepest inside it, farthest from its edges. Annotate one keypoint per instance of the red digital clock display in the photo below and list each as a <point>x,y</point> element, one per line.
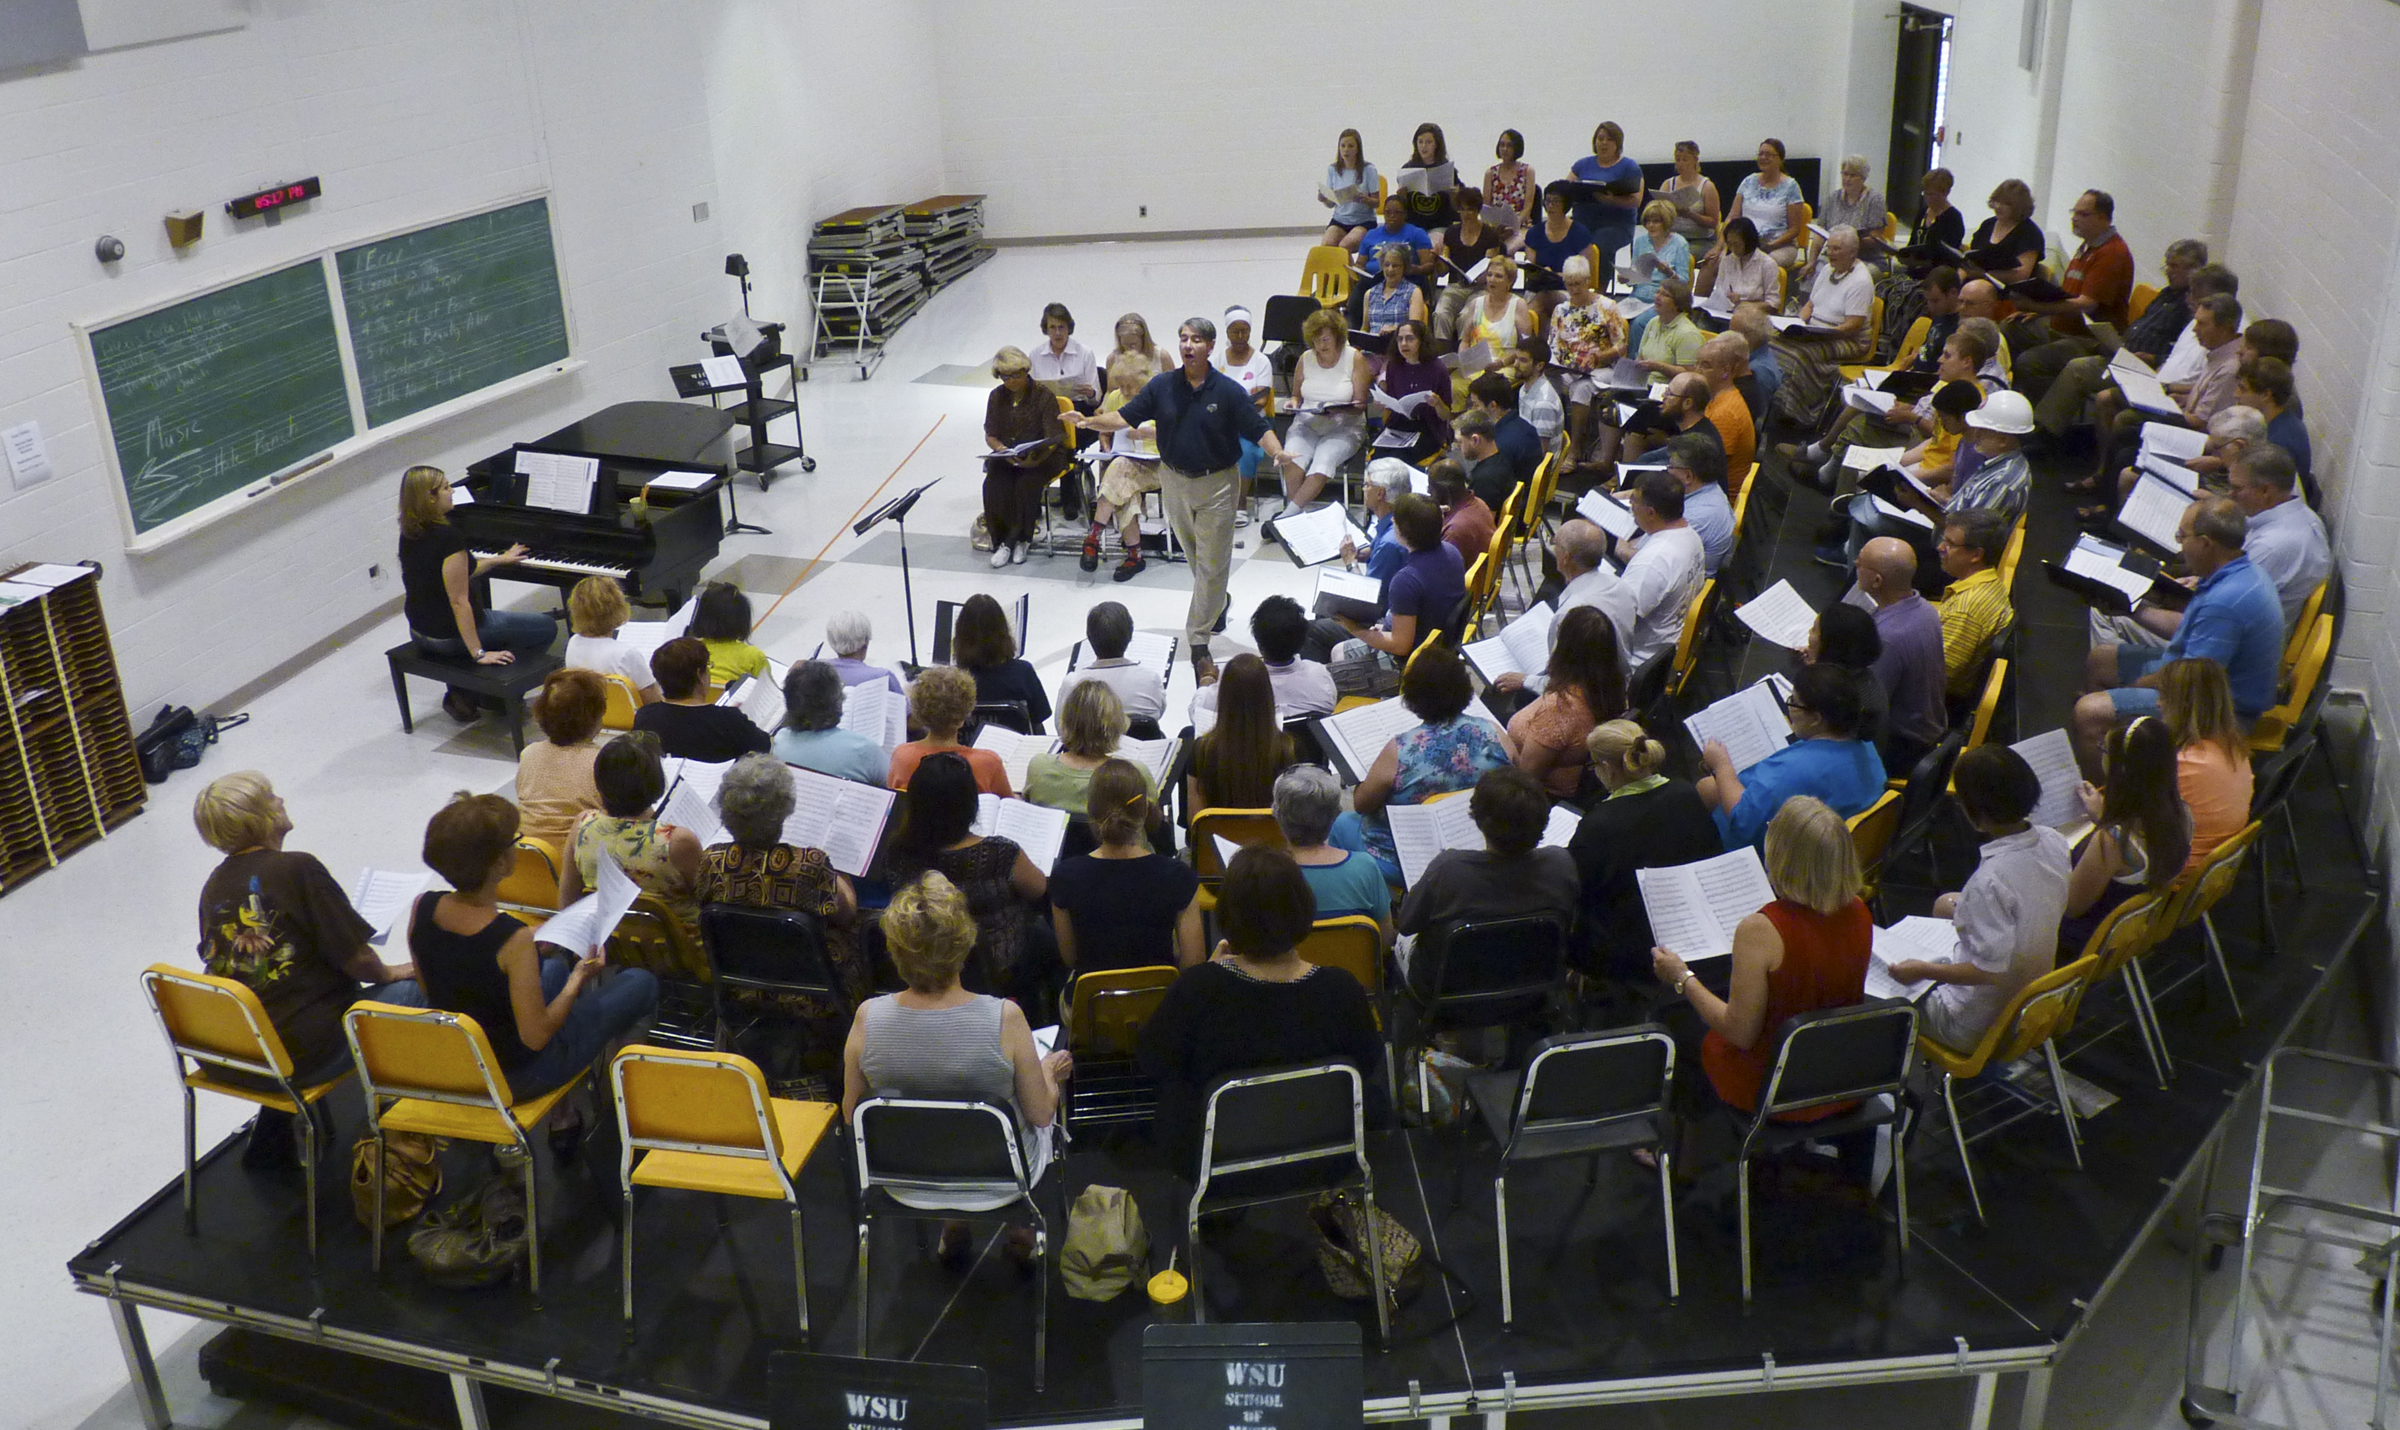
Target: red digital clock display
<point>252,205</point>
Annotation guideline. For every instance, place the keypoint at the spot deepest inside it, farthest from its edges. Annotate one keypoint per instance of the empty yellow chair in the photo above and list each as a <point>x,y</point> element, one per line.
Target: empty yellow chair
<point>623,701</point>
<point>703,1122</point>
<point>1871,831</point>
<point>219,1026</point>
<point>1240,827</point>
<point>434,1073</point>
<point>1107,1007</point>
<point>1325,276</point>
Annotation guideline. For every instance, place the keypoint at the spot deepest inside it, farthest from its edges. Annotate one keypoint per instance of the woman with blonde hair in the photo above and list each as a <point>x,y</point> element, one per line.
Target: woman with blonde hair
<point>1645,820</point>
<point>941,702</point>
<point>1018,412</point>
<point>1122,906</point>
<point>934,1039</point>
<point>554,774</point>
<point>596,611</point>
<point>1091,721</point>
<point>438,596</point>
<point>1805,951</point>
<point>276,921</point>
<point>1132,470</point>
<point>2212,755</point>
<point>1658,254</point>
<point>1329,407</point>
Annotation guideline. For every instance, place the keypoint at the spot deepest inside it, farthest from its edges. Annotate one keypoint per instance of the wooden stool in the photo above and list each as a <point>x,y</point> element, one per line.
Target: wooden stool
<point>508,683</point>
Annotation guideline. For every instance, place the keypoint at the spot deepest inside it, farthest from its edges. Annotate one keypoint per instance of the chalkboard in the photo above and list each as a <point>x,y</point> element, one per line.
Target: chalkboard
<point>222,390</point>
<point>440,312</point>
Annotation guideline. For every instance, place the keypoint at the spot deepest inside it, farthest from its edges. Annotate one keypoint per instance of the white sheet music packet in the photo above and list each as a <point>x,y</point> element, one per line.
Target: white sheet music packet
<point>1781,615</point>
<point>1694,908</point>
<point>1523,646</point>
<point>1421,831</point>
<point>1750,723</point>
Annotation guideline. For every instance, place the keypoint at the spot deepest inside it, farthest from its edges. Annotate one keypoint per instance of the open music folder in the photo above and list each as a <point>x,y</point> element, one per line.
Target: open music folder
<point>1695,907</point>
<point>1421,831</point>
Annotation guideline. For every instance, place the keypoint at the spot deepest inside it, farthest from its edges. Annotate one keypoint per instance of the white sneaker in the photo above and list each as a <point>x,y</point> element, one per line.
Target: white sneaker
<point>1017,553</point>
<point>999,555</point>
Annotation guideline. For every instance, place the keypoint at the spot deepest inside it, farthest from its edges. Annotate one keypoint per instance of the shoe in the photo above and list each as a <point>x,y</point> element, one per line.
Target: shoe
<point>1834,555</point>
<point>999,554</point>
<point>1091,550</point>
<point>462,707</point>
<point>1017,552</point>
<point>1219,627</point>
<point>1130,567</point>
<point>1204,667</point>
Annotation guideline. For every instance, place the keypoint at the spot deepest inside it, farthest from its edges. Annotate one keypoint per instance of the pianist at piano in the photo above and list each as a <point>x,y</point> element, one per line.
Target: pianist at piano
<point>449,612</point>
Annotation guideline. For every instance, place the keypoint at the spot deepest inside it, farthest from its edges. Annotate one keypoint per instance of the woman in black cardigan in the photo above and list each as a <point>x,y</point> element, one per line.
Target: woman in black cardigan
<point>1645,821</point>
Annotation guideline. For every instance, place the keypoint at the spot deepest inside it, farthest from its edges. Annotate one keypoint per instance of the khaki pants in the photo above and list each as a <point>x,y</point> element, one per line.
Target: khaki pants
<point>1200,514</point>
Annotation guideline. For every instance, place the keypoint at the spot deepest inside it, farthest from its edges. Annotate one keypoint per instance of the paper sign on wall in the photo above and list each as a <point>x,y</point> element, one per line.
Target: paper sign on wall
<point>28,455</point>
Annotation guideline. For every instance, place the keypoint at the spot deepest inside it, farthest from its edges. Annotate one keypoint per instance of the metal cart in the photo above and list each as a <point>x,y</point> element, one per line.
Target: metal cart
<point>2274,1210</point>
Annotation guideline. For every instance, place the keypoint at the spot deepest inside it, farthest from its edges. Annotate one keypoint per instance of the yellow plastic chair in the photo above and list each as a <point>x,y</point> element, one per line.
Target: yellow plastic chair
<point>1352,943</point>
<point>2128,932</point>
<point>2275,725</point>
<point>649,936</point>
<point>1243,827</point>
<point>2302,627</point>
<point>1687,645</point>
<point>434,1073</point>
<point>221,1027</point>
<point>2009,557</point>
<point>1871,831</point>
<point>1902,355</point>
<point>533,883</point>
<point>704,1122</point>
<point>1106,1008</point>
<point>2195,894</point>
<point>2144,294</point>
<point>623,701</point>
<point>2041,1011</point>
<point>1989,704</point>
<point>1325,276</point>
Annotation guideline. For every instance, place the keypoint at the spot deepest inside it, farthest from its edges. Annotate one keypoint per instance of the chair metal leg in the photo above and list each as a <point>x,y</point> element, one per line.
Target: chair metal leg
<point>375,1233</point>
<point>799,1270</point>
<point>1191,1244</point>
<point>140,1368</point>
<point>191,1208</point>
<point>2216,961</point>
<point>1900,1181</point>
<point>1383,1304</point>
<point>1958,1134</point>
<point>2149,1010</point>
<point>2141,1025</point>
<point>1041,1302</point>
<point>1508,1304</point>
<point>2066,1105</point>
<point>625,1262</point>
<point>308,1174</point>
<point>533,1219</point>
<point>1666,1203</point>
<point>864,1227</point>
<point>1742,1187</point>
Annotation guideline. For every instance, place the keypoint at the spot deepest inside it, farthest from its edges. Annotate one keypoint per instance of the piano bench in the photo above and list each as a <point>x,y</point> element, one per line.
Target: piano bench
<point>508,683</point>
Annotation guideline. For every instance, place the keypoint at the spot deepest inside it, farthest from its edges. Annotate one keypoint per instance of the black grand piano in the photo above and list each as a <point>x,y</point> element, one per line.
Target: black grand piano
<point>655,540</point>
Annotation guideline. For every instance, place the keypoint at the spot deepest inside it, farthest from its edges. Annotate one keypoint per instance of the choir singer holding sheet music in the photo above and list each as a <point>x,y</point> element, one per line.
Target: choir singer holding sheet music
<point>1826,760</point>
<point>1805,951</point>
<point>1202,416</point>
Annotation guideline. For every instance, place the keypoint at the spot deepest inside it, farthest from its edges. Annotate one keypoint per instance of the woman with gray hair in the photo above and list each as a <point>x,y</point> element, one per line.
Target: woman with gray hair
<point>1395,300</point>
<point>1856,205</point>
<point>812,736</point>
<point>1307,801</point>
<point>847,635</point>
<point>757,870</point>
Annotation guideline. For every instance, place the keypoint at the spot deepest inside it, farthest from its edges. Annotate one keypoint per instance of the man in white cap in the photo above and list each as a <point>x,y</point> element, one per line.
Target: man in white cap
<point>2001,484</point>
<point>1249,367</point>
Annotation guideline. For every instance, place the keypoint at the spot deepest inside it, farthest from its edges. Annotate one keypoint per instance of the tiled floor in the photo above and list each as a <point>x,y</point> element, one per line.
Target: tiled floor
<point>91,1124</point>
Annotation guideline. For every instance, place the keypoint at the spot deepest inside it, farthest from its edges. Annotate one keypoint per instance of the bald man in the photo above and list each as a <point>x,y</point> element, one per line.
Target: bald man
<point>1722,358</point>
<point>1910,668</point>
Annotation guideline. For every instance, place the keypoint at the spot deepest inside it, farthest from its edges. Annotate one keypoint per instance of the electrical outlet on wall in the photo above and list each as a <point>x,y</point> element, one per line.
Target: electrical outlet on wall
<point>375,575</point>
<point>1145,211</point>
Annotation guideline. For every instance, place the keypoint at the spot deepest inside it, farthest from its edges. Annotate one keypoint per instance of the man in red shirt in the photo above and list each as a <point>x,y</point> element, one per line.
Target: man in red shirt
<point>2098,284</point>
<point>1467,520</point>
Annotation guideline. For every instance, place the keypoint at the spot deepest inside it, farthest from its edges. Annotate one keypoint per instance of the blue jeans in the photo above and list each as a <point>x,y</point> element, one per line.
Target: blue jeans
<point>518,632</point>
<point>607,1009</point>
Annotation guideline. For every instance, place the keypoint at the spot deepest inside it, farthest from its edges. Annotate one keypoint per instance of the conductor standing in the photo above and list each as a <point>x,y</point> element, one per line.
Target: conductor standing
<point>1202,416</point>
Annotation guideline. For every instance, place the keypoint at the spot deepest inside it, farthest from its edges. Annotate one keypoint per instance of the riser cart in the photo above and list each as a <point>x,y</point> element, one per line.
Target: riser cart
<point>68,772</point>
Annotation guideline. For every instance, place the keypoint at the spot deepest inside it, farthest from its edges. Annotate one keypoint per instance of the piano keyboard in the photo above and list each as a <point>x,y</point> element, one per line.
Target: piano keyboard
<point>536,561</point>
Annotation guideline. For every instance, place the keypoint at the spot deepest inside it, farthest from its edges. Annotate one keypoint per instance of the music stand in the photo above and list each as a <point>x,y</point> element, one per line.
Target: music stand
<point>896,511</point>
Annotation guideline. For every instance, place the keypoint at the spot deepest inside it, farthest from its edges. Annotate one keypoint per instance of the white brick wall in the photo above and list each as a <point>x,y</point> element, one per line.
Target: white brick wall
<point>1074,115</point>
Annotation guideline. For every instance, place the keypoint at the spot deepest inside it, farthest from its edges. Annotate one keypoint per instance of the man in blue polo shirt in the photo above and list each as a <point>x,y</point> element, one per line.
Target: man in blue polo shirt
<point>2235,619</point>
<point>1202,416</point>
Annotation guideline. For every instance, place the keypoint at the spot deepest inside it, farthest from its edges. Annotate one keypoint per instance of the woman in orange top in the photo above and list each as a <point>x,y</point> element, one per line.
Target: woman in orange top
<point>1805,951</point>
<point>2212,756</point>
<point>939,703</point>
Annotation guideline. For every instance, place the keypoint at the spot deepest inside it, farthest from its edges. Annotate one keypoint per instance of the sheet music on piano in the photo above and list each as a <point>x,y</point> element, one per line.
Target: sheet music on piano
<point>841,817</point>
<point>1037,829</point>
<point>1694,908</point>
<point>557,482</point>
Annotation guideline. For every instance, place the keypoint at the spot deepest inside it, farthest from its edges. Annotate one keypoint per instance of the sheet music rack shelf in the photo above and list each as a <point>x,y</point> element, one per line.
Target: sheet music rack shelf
<point>68,772</point>
<point>870,269</point>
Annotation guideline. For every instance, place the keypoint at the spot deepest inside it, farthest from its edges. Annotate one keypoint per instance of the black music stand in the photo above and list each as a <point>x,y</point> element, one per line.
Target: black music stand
<point>896,511</point>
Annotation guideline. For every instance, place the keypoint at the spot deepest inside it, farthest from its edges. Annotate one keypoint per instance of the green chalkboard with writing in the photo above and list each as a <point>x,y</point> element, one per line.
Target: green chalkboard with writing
<point>443,311</point>
<point>222,390</point>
